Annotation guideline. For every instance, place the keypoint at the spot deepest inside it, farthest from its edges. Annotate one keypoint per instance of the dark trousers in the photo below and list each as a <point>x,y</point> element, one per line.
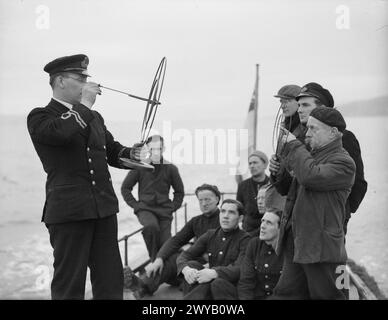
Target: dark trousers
<point>80,244</point>
<point>222,289</point>
<point>306,281</point>
<point>217,289</point>
<point>157,230</point>
<point>168,275</point>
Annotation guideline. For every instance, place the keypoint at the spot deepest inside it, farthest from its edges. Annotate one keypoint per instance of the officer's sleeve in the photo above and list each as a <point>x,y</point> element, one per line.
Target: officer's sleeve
<point>194,252</point>
<point>46,129</point>
<point>247,282</point>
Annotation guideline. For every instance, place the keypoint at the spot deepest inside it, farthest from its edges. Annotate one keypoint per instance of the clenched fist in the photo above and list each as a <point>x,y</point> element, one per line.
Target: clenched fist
<point>89,92</point>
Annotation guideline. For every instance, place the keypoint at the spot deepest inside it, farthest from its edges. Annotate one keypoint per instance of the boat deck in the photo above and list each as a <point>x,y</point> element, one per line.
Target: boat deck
<point>167,292</point>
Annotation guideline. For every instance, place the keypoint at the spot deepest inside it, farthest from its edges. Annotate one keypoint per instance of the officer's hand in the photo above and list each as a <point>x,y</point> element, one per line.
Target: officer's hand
<point>190,274</point>
<point>274,165</point>
<point>155,268</point>
<point>206,275</point>
<point>89,92</point>
<point>138,152</point>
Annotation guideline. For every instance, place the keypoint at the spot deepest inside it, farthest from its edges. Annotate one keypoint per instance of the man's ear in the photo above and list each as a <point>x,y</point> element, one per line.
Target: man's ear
<point>60,83</point>
<point>240,218</point>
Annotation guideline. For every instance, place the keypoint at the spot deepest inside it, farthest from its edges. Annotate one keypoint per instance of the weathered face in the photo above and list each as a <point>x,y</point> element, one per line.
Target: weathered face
<point>306,105</point>
<point>229,217</point>
<point>207,201</point>
<point>289,106</point>
<point>318,134</point>
<point>155,149</point>
<point>71,85</point>
<point>256,166</point>
<point>269,227</point>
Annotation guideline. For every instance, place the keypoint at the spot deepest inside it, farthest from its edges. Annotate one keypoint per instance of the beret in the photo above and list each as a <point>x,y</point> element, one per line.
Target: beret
<point>315,90</point>
<point>289,91</point>
<point>77,63</point>
<point>330,116</point>
<point>209,187</point>
<point>261,155</point>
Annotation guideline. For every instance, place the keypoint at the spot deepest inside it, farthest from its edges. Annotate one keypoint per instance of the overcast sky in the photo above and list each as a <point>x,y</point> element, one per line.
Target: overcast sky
<point>211,48</point>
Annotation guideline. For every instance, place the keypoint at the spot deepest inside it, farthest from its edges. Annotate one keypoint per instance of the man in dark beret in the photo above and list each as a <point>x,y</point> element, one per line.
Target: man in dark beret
<point>311,96</point>
<point>75,149</point>
<point>311,236</point>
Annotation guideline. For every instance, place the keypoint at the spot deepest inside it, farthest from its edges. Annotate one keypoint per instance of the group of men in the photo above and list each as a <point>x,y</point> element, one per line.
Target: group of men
<point>283,236</point>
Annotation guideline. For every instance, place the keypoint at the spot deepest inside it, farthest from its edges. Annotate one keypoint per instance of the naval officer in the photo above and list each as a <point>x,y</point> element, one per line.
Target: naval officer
<point>75,149</point>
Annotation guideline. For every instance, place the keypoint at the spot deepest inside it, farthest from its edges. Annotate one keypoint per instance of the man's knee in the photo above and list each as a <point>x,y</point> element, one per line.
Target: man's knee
<point>222,289</point>
<point>218,284</point>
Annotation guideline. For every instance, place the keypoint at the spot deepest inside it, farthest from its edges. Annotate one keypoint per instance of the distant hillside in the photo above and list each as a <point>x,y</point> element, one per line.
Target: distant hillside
<point>372,107</point>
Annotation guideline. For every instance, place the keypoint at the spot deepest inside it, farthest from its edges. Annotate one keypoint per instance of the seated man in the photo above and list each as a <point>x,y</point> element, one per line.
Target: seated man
<point>164,268</point>
<point>261,267</point>
<point>225,247</point>
<point>154,208</point>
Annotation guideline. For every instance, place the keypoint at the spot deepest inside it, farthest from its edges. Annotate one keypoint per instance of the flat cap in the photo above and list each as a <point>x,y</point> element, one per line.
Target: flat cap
<point>330,116</point>
<point>261,155</point>
<point>77,63</point>
<point>315,90</point>
<point>289,91</point>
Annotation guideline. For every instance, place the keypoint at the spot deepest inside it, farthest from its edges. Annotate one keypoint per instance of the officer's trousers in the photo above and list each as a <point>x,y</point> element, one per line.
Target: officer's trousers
<point>81,244</point>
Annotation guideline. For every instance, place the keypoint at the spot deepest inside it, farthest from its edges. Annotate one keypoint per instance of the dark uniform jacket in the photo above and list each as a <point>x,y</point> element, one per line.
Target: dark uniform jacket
<point>195,228</point>
<point>351,145</point>
<point>259,272</point>
<point>316,200</point>
<point>225,250</point>
<point>154,189</point>
<point>247,194</point>
<point>75,149</point>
